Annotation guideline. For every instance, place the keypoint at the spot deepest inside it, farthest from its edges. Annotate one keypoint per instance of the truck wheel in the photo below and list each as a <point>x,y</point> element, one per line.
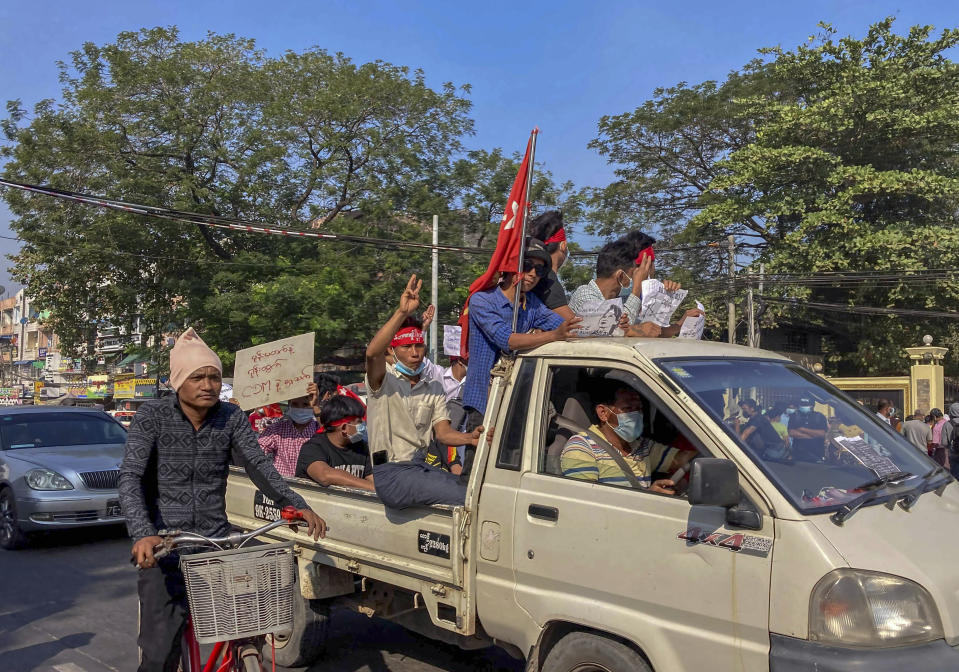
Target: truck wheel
<point>11,536</point>
<point>586,652</point>
<point>311,621</point>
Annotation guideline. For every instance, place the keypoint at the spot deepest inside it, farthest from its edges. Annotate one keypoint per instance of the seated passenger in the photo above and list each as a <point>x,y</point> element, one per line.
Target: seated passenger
<point>338,456</point>
<point>282,440</point>
<point>620,412</point>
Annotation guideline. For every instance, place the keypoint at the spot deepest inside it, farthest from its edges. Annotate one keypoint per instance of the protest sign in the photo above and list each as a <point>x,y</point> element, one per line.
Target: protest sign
<point>272,372</point>
<point>452,334</point>
<point>601,319</point>
<point>867,456</point>
<point>693,328</point>
<point>658,304</point>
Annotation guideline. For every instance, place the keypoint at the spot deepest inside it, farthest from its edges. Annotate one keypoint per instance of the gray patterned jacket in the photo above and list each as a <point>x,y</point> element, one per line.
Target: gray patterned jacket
<point>174,476</point>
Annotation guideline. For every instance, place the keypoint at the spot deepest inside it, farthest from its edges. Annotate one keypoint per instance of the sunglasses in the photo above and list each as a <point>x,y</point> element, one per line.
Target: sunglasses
<point>541,270</point>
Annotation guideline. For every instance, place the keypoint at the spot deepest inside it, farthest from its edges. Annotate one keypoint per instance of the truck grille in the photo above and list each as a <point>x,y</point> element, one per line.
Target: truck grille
<point>101,480</point>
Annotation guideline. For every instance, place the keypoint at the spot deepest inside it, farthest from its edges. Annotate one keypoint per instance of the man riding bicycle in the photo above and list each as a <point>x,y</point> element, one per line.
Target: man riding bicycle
<point>173,476</point>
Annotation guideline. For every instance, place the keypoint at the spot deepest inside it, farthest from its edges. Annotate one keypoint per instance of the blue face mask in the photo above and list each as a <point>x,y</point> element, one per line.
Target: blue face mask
<point>360,433</point>
<point>630,426</point>
<point>300,416</point>
<point>407,371</point>
<point>805,409</point>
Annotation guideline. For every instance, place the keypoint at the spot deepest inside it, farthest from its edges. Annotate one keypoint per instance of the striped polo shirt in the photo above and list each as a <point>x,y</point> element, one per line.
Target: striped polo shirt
<point>585,460</point>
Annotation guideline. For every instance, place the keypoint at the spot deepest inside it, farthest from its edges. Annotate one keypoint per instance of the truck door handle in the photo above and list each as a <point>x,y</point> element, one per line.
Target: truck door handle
<point>543,512</point>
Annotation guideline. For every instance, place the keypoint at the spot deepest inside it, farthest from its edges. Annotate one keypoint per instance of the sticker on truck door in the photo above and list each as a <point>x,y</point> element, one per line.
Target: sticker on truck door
<point>265,508</point>
<point>434,543</point>
<point>749,544</point>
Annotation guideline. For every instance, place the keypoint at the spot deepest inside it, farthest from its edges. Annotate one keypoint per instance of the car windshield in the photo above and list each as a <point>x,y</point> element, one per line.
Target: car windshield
<point>820,447</point>
<point>39,430</point>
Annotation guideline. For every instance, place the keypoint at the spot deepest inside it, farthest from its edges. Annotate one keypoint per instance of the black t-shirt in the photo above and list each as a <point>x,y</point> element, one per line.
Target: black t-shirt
<point>764,435</point>
<point>812,420</point>
<point>441,456</point>
<point>354,460</point>
<point>551,292</point>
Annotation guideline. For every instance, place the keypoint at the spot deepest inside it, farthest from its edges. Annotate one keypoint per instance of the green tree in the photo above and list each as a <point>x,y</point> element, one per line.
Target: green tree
<point>837,156</point>
<point>215,127</point>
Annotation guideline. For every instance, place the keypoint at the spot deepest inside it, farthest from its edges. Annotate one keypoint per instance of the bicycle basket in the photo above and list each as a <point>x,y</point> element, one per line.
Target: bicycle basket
<point>240,593</point>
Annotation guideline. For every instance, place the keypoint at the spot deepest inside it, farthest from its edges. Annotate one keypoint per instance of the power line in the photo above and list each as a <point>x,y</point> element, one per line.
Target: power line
<point>865,310</point>
<point>243,226</point>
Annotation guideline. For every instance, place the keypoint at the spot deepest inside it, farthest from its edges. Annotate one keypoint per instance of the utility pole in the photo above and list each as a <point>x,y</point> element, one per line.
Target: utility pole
<point>730,303</point>
<point>434,290</point>
<point>751,338</point>
<point>762,276</point>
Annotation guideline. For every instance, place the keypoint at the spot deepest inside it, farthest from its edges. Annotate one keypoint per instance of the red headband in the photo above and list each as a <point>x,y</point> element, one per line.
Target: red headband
<point>345,421</point>
<point>645,252</point>
<point>558,237</point>
<point>408,336</point>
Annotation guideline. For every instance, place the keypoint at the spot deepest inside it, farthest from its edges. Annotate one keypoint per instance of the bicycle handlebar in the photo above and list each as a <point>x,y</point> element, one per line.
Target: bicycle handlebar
<point>175,538</point>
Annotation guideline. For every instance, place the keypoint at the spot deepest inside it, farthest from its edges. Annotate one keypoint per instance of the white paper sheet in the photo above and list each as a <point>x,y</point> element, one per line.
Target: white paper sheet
<point>601,319</point>
<point>452,333</point>
<point>658,304</point>
<point>693,328</point>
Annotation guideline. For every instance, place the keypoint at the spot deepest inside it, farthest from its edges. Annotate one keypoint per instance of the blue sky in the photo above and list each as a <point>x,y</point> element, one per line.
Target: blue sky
<point>558,65</point>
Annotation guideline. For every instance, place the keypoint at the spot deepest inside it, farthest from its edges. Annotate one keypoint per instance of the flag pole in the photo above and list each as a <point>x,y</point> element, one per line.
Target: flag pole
<point>522,234</point>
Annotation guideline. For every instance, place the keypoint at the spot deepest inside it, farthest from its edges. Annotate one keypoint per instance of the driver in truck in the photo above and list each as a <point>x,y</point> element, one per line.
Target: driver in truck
<point>620,413</point>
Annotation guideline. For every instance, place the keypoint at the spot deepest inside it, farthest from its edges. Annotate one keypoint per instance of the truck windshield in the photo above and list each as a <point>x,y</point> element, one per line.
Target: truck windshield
<point>820,447</point>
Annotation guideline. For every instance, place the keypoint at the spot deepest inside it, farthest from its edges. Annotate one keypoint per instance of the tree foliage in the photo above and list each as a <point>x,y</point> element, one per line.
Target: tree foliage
<point>836,156</point>
<point>309,140</point>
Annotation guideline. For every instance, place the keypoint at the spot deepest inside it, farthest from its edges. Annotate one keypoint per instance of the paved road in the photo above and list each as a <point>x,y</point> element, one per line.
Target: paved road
<point>68,604</point>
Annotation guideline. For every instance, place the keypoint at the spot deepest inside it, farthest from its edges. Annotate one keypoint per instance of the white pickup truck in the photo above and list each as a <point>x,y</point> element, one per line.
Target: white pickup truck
<point>831,553</point>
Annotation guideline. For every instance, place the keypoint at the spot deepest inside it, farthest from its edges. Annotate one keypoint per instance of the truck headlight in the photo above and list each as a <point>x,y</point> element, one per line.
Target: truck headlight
<point>46,479</point>
<point>860,608</point>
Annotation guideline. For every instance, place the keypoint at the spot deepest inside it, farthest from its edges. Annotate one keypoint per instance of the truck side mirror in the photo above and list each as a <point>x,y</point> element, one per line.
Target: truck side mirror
<point>713,482</point>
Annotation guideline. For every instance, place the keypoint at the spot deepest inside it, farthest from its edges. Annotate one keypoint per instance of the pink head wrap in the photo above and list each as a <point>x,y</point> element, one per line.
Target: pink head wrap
<point>190,353</point>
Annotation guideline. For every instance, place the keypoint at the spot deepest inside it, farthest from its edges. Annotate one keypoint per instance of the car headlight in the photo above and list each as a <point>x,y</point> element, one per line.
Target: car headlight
<point>46,479</point>
<point>861,608</point>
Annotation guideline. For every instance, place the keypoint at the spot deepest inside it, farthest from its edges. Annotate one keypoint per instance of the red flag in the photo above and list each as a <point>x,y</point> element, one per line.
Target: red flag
<point>508,242</point>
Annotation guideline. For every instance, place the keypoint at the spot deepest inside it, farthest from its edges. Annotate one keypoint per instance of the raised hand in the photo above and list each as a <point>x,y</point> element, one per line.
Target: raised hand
<point>642,272</point>
<point>410,299</point>
<point>428,316</point>
<point>671,285</point>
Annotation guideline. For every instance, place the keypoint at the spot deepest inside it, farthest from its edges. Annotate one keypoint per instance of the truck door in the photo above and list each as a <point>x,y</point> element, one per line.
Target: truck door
<point>688,589</point>
<point>494,565</point>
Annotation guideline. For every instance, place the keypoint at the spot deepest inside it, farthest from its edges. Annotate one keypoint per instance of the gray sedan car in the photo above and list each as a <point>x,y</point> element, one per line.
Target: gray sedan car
<point>59,468</point>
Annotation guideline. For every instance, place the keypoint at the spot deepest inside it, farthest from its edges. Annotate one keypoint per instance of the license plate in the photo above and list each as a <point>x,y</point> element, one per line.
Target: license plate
<point>265,508</point>
<point>113,508</point>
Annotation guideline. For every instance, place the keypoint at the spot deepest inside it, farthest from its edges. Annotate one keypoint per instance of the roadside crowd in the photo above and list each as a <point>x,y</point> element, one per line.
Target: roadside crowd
<point>425,419</point>
<point>935,434</point>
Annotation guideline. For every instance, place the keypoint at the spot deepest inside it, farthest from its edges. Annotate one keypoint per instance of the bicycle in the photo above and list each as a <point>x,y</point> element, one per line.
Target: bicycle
<point>235,595</point>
